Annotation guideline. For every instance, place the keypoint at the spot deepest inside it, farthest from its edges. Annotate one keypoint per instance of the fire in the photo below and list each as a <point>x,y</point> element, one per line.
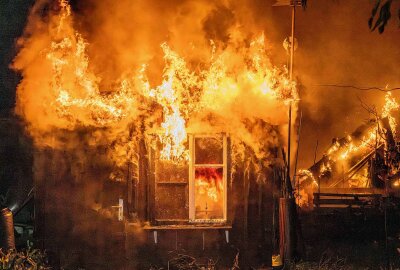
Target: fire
<point>228,87</point>
<point>390,106</point>
<point>345,149</point>
<point>171,95</point>
<point>343,152</point>
<point>304,195</point>
<point>308,174</point>
<point>369,141</point>
<point>184,93</point>
<point>208,188</point>
<point>324,168</point>
<point>76,89</point>
<point>209,182</point>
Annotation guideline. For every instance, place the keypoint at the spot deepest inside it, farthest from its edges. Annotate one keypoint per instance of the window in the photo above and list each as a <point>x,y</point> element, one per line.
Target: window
<point>171,193</point>
<point>207,178</point>
<point>195,190</point>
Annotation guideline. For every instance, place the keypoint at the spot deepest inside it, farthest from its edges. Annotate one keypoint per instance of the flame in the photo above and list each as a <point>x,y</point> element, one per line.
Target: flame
<point>348,148</point>
<point>76,89</point>
<point>171,95</point>
<point>390,106</point>
<point>368,141</point>
<point>209,181</point>
<point>185,92</point>
<point>205,187</point>
<point>326,167</point>
<point>230,85</point>
<point>307,173</point>
<point>304,196</point>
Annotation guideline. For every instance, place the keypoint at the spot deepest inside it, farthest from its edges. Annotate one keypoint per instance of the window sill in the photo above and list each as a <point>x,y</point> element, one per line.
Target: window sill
<point>197,226</point>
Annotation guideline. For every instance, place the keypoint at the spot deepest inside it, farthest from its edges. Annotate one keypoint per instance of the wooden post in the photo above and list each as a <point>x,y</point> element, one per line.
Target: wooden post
<point>129,181</point>
<point>7,226</point>
<point>297,158</point>
<point>282,227</point>
<point>143,186</point>
<point>287,212</point>
<point>246,186</point>
<point>276,253</point>
<point>276,257</point>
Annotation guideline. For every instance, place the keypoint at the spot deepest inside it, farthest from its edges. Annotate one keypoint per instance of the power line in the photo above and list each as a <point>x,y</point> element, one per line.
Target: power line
<point>360,88</point>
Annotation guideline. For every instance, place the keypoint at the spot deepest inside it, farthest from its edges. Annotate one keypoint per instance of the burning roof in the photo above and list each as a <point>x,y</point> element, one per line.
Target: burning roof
<point>232,89</point>
<point>347,155</point>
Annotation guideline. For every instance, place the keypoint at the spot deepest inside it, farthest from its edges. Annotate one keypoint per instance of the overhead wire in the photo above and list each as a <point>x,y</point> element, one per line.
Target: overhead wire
<point>360,88</point>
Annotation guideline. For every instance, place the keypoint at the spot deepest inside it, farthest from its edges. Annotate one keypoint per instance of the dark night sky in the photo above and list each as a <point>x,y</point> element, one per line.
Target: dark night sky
<point>335,46</point>
<point>13,15</point>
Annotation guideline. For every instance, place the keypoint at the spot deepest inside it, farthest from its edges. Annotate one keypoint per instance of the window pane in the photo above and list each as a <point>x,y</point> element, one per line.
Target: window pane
<point>208,151</point>
<point>171,202</point>
<point>168,171</point>
<point>209,193</point>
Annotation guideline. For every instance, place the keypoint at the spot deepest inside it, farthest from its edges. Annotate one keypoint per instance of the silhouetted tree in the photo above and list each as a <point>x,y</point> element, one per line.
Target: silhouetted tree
<point>380,19</point>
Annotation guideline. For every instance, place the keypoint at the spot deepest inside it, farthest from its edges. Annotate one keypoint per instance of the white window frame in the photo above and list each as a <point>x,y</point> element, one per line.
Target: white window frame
<point>193,166</point>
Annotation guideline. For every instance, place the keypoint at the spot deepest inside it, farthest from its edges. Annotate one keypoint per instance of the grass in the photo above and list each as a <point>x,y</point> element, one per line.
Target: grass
<point>27,259</point>
<point>329,263</point>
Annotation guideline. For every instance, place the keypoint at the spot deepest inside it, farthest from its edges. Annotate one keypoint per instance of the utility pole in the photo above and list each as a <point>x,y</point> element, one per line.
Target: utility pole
<point>293,3</point>
<point>287,205</point>
<point>292,38</point>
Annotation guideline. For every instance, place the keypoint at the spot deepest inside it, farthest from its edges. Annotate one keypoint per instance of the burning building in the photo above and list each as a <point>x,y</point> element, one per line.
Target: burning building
<point>158,126</point>
<point>164,152</point>
<point>356,170</point>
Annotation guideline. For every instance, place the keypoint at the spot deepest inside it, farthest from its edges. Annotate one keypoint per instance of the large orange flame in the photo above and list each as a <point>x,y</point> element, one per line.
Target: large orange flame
<point>62,91</point>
